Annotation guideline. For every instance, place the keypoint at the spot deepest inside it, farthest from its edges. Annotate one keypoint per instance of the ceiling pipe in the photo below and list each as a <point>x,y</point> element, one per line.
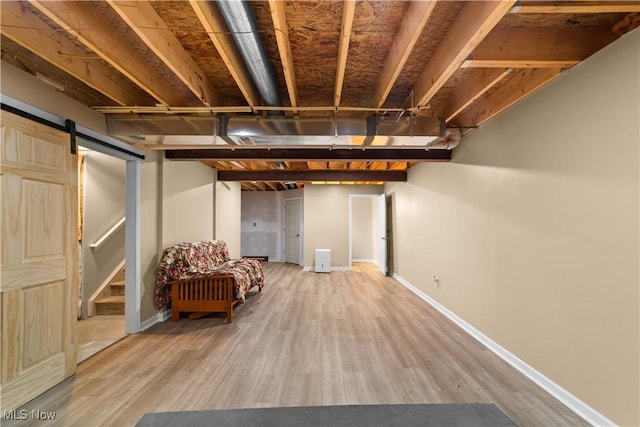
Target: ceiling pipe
<point>239,16</point>
<point>450,140</point>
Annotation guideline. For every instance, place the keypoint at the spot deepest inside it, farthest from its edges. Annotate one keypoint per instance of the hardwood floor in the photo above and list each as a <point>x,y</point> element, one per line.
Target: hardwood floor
<point>308,339</point>
<point>97,333</point>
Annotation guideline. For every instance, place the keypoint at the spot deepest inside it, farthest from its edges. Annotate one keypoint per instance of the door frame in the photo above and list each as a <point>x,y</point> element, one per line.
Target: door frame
<point>301,225</point>
<point>377,235</point>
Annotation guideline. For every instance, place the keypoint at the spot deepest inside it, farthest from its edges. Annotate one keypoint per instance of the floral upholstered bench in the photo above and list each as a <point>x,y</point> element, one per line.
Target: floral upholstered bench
<point>200,278</point>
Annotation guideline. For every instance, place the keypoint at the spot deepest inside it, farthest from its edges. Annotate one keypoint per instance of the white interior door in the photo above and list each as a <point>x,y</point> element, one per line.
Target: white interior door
<point>382,233</point>
<point>292,231</point>
<point>39,259</point>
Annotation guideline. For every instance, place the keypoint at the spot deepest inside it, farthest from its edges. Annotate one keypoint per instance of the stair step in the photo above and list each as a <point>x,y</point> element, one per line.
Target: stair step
<point>110,305</point>
<point>116,288</point>
<point>114,298</point>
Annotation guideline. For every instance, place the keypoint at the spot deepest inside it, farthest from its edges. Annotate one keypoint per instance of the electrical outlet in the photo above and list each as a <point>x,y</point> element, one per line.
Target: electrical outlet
<point>436,281</point>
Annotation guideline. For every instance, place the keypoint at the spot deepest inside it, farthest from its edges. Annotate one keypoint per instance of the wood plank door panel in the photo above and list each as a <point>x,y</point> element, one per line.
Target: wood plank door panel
<point>38,259</point>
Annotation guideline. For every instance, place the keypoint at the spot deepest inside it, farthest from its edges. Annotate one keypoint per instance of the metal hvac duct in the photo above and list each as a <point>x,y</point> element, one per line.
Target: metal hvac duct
<point>240,19</point>
<point>275,130</point>
<point>270,126</point>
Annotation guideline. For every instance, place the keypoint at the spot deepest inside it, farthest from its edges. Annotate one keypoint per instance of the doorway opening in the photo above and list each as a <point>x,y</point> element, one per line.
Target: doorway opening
<point>101,239</point>
<point>368,230</point>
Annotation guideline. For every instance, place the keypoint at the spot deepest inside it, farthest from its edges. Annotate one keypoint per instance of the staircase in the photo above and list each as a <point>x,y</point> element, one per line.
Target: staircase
<point>111,299</point>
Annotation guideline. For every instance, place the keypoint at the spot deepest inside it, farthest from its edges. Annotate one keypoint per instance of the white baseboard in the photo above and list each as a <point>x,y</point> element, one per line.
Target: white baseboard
<point>332,269</point>
<point>572,402</point>
<point>373,261</point>
<point>159,317</point>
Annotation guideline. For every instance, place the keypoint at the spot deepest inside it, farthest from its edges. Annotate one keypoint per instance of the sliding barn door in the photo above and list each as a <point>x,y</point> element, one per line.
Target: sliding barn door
<point>38,259</point>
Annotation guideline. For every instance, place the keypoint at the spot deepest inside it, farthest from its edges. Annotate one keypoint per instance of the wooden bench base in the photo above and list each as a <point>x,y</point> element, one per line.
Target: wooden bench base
<point>201,296</point>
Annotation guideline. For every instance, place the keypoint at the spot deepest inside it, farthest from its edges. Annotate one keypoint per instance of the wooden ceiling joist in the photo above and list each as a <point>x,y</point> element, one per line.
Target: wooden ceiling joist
<point>416,18</point>
<point>85,23</point>
<point>279,17</point>
<point>29,31</point>
<point>629,23</point>
<point>313,175</point>
<point>474,22</point>
<point>577,7</point>
<point>311,154</point>
<point>212,21</point>
<point>522,84</point>
<point>296,165</point>
<point>145,22</point>
<point>475,85</point>
<point>538,47</point>
<point>317,165</point>
<point>250,186</point>
<point>272,185</point>
<point>515,63</point>
<point>348,12</point>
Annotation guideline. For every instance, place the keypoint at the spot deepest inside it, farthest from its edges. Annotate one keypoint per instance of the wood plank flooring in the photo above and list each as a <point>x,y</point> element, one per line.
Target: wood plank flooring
<point>308,339</point>
<point>97,333</point>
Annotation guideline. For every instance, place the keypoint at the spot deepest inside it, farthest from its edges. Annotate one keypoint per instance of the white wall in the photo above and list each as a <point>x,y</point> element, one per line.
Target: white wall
<point>187,202</point>
<point>227,210</point>
<point>533,230</point>
<point>362,229</point>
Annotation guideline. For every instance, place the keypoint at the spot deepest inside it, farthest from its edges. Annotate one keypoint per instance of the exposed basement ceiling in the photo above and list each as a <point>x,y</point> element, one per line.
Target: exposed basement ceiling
<point>274,93</point>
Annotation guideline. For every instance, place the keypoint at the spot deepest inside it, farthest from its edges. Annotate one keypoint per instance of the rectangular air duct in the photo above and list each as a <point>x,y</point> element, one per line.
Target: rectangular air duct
<point>276,130</point>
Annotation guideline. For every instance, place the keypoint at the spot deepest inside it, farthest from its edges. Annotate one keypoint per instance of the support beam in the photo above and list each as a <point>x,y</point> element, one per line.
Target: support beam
<point>313,175</point>
<point>279,17</point>
<point>348,12</point>
<point>538,47</point>
<point>519,86</point>
<point>85,23</point>
<point>26,29</point>
<point>416,18</point>
<point>147,24</point>
<point>474,22</point>
<point>214,25</point>
<point>312,154</point>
